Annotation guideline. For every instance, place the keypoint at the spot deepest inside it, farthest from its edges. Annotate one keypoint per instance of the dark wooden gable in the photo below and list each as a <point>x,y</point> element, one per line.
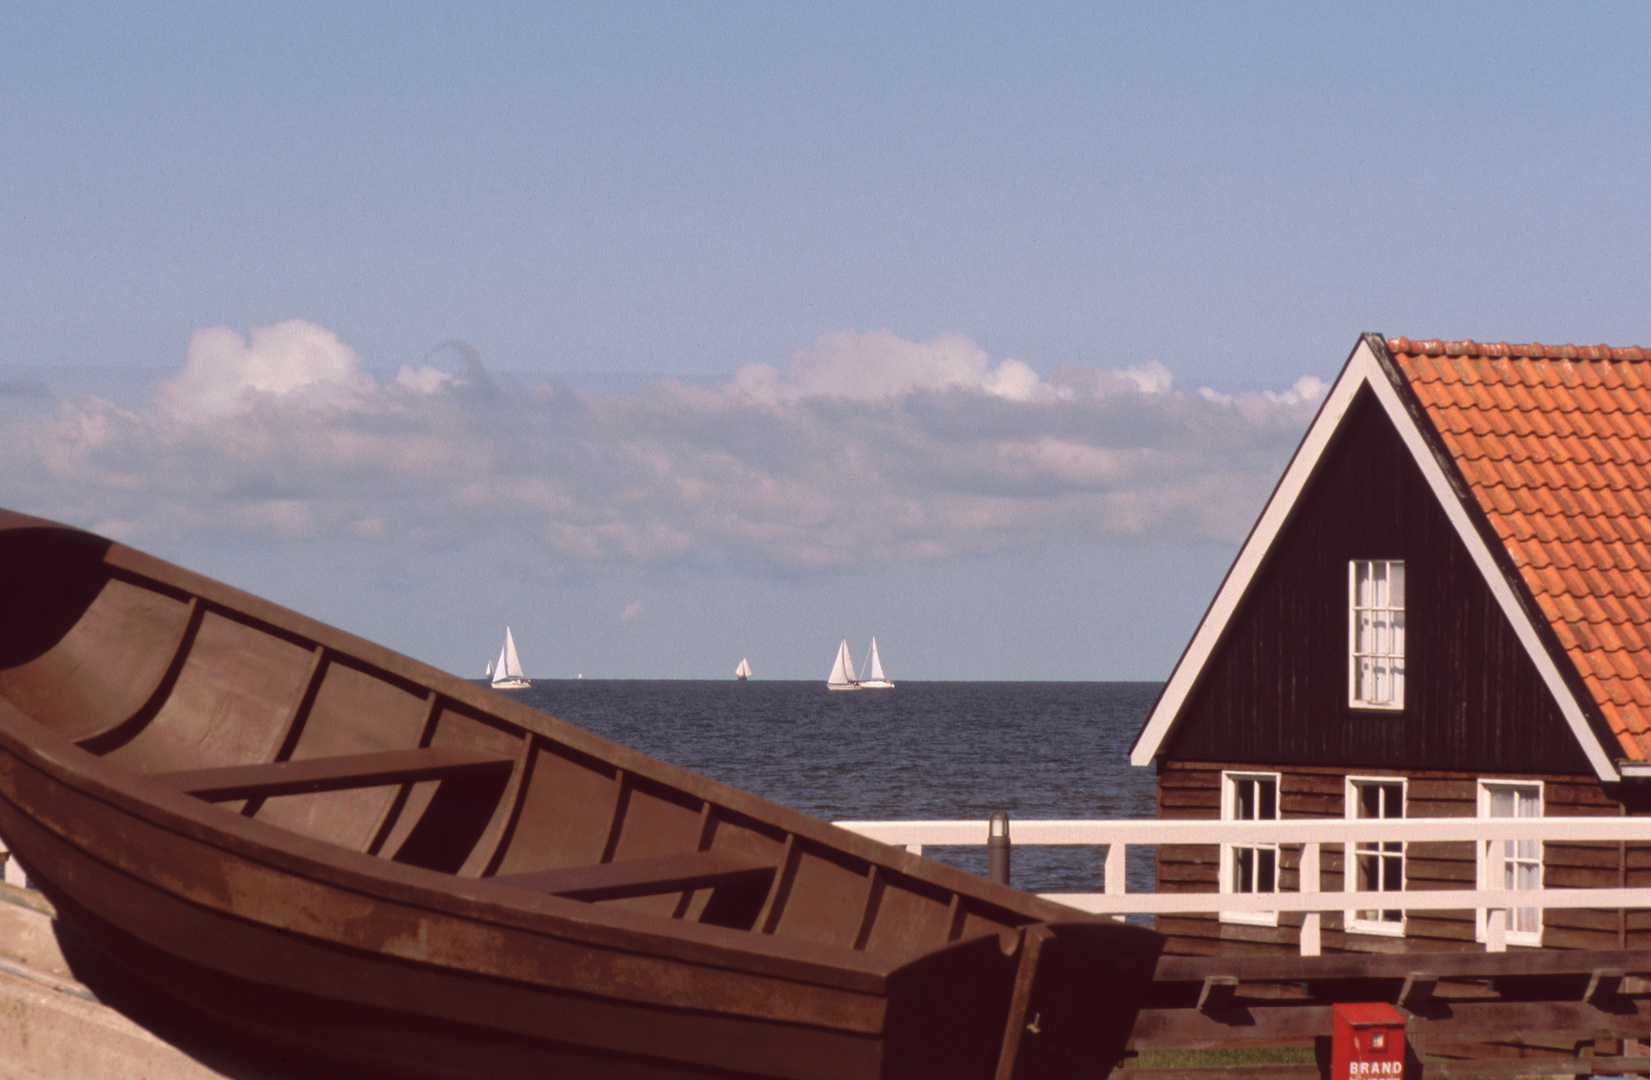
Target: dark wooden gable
<point>1274,692</point>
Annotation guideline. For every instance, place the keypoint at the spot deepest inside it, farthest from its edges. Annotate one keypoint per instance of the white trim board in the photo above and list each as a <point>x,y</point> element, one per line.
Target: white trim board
<point>1363,368</point>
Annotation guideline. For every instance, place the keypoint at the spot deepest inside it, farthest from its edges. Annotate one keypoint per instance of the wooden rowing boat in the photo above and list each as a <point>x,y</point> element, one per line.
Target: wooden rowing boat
<point>303,835</point>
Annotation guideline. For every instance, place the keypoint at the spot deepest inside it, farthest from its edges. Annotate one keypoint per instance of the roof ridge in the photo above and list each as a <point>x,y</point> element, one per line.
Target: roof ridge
<point>1531,351</point>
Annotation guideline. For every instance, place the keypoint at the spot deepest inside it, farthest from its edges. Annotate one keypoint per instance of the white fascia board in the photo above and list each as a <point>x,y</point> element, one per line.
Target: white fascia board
<point>1256,545</point>
<point>1363,369</point>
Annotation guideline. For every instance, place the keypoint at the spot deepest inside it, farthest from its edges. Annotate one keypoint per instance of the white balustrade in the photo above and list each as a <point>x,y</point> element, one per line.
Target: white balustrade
<point>1311,836</point>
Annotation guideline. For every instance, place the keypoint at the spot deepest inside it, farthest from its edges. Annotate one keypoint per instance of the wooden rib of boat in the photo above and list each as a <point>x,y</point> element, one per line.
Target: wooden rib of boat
<point>308,837</point>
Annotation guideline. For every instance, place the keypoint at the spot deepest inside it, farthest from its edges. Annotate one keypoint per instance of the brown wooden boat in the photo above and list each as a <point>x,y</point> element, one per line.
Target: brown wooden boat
<point>301,834</point>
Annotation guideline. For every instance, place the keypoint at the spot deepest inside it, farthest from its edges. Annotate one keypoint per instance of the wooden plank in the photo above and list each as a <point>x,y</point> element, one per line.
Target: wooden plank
<point>1602,856</point>
<point>1446,965</point>
<point>1171,874</point>
<point>644,877</point>
<point>1440,873</point>
<point>1330,782</point>
<point>332,773</point>
<point>1198,798</point>
<point>1580,919</point>
<point>1535,1066</point>
<point>1294,804</point>
<point>1493,1021</point>
<point>1190,853</point>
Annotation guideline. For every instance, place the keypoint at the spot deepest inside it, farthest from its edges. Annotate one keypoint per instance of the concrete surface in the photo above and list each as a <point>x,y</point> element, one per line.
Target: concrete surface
<point>52,1027</point>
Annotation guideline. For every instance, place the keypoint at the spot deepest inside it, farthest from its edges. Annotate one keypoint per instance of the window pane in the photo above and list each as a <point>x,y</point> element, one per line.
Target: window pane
<point>1265,858</point>
<point>1395,585</point>
<point>1370,800</point>
<point>1269,799</point>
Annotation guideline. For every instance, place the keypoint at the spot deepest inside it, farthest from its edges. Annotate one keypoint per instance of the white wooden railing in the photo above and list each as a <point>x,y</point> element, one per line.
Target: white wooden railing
<point>1311,836</point>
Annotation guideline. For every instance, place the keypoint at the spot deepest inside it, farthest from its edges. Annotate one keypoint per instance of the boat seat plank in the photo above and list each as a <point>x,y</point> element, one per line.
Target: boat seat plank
<point>334,773</point>
<point>644,877</point>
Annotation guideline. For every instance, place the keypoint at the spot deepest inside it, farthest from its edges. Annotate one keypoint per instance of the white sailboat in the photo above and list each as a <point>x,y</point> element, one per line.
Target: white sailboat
<point>873,672</point>
<point>507,669</point>
<point>842,671</point>
<point>742,672</point>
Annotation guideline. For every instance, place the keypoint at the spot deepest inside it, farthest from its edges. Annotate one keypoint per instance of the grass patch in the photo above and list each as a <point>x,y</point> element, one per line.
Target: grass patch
<point>1209,1059</point>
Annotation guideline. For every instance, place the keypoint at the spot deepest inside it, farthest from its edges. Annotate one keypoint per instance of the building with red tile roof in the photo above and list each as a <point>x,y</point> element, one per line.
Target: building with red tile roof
<point>1442,610</point>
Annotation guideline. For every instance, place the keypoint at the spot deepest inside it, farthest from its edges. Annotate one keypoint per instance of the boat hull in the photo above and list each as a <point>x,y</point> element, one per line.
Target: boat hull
<point>491,892</point>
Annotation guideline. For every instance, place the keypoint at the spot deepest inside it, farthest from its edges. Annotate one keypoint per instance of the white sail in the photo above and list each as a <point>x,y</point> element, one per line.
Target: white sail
<point>874,677</point>
<point>512,662</point>
<point>507,670</point>
<point>488,674</point>
<point>743,671</point>
<point>842,670</point>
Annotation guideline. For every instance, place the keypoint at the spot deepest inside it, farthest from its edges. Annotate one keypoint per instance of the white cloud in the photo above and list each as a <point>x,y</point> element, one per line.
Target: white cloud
<point>879,365</point>
<point>869,447</point>
<point>632,610</point>
<point>224,370</point>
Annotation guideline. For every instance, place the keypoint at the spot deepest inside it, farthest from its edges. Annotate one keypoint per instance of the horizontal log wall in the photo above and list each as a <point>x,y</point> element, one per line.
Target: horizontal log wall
<point>1192,791</point>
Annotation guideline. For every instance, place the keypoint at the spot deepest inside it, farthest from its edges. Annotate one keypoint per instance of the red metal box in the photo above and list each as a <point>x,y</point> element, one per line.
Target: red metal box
<point>1366,1041</point>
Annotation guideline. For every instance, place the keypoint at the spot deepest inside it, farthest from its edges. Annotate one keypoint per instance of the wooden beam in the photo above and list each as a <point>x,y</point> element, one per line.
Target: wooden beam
<point>1602,983</point>
<point>644,877</point>
<point>1256,1023</point>
<point>1283,967</point>
<point>1417,989</point>
<point>1536,1066</point>
<point>333,773</point>
<point>1216,993</point>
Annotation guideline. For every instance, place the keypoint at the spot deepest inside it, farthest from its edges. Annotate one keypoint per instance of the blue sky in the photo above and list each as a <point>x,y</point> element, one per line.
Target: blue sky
<point>983,329</point>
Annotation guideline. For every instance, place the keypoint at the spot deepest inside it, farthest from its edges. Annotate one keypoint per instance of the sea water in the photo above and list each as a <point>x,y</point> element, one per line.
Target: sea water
<point>922,751</point>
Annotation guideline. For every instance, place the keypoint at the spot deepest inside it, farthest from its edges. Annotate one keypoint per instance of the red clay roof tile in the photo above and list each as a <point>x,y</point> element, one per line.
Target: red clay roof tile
<point>1587,639</point>
<point>1631,639</point>
<point>1554,441</point>
<point>1638,612</point>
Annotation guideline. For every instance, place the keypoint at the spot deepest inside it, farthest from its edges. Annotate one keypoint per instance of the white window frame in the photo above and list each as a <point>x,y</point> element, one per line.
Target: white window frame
<point>1350,874</point>
<point>1388,651</point>
<point>1524,925</point>
<point>1261,853</point>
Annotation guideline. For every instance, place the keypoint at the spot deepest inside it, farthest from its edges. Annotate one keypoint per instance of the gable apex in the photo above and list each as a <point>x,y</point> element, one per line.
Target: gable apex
<point>1371,367</point>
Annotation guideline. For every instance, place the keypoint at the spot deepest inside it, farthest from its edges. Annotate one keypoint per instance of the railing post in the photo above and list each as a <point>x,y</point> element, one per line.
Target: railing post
<point>1309,883</point>
<point>1115,866</point>
<point>1496,930</point>
<point>1496,919</point>
<point>1115,884</point>
<point>997,847</point>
